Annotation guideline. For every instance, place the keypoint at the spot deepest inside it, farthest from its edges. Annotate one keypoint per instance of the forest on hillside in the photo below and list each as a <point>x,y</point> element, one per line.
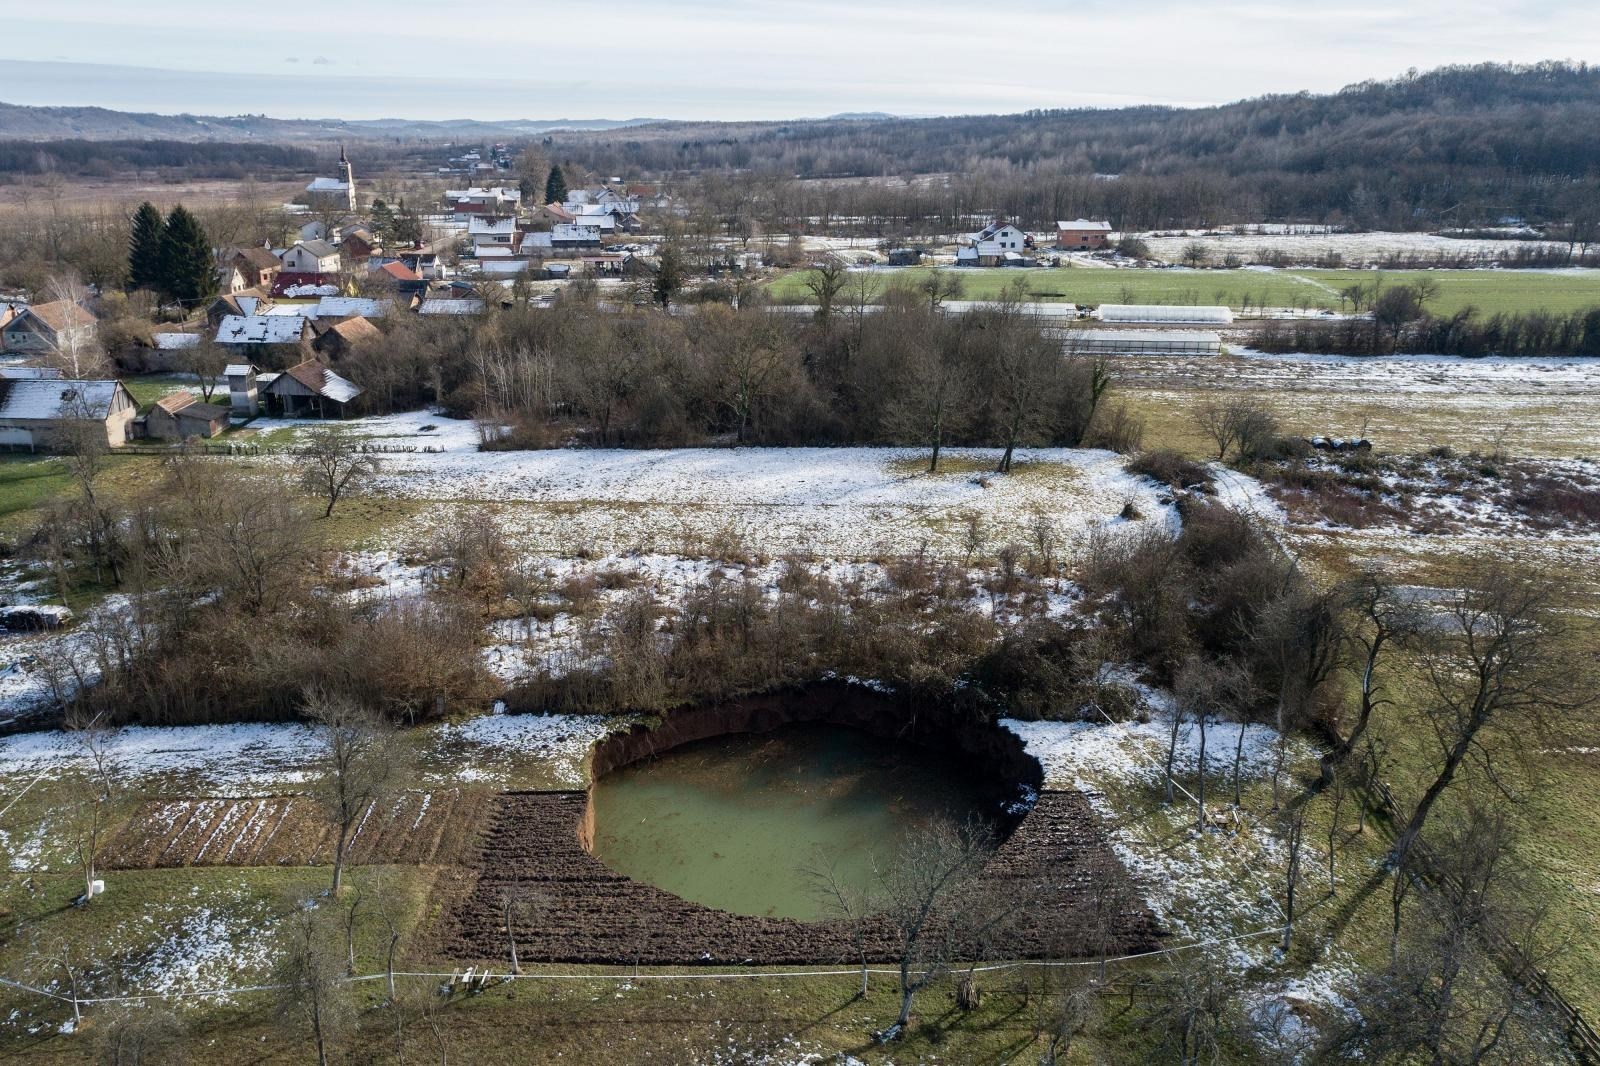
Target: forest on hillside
<point>1454,146</point>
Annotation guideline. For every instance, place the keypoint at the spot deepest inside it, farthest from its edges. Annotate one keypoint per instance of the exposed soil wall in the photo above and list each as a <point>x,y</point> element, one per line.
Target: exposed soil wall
<point>995,757</point>
<point>590,913</point>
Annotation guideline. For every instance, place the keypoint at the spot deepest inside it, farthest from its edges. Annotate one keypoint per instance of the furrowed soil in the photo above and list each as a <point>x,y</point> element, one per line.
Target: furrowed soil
<point>415,828</point>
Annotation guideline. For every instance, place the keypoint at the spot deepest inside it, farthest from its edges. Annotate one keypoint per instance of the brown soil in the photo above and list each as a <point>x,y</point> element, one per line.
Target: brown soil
<point>589,913</point>
<point>413,828</point>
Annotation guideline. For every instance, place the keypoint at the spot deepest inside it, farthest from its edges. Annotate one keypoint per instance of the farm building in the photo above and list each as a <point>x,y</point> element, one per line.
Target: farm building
<point>1082,235</point>
<point>283,336</point>
<point>33,411</point>
<point>1165,314</point>
<point>1143,342</point>
<point>243,396</point>
<point>181,416</point>
<point>310,389</point>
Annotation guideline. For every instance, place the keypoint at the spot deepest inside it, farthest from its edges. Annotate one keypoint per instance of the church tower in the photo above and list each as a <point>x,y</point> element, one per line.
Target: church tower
<point>347,175</point>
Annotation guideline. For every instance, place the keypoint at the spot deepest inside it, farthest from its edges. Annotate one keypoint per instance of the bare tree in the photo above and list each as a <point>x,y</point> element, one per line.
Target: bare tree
<point>931,867</point>
<point>519,905</point>
<point>93,791</point>
<point>1238,425</point>
<point>1454,993</point>
<point>139,1034</point>
<point>849,904</point>
<point>1503,672</point>
<point>1294,833</point>
<point>355,768</point>
<point>824,281</point>
<point>310,975</point>
<point>332,462</point>
<point>206,361</point>
<point>1068,1006</point>
<point>1381,621</point>
<point>1194,1006</point>
<point>76,352</point>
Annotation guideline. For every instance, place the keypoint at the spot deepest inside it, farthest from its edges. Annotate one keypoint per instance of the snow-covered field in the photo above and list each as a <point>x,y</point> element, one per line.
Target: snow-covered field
<point>839,503</point>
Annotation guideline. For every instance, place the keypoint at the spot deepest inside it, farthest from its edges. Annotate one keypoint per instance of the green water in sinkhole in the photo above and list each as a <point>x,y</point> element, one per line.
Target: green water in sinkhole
<point>732,822</point>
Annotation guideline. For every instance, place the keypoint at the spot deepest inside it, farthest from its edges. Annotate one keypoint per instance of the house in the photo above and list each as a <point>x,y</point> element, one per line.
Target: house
<point>180,416</point>
<point>243,397</point>
<point>988,247</point>
<point>48,327</point>
<point>278,339</point>
<point>406,282</point>
<point>310,389</point>
<point>310,257</point>
<point>256,266</point>
<point>491,233</point>
<point>574,235</point>
<point>334,194</point>
<point>552,214</point>
<point>35,411</point>
<point>336,339</point>
<point>1082,235</point>
<point>497,200</point>
<point>357,246</point>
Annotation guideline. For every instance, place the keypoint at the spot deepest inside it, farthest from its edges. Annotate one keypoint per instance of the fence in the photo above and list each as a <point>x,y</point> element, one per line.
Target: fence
<point>1585,1042</point>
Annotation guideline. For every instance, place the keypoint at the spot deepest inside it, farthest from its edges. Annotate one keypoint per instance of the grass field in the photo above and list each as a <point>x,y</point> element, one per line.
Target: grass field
<point>1488,290</point>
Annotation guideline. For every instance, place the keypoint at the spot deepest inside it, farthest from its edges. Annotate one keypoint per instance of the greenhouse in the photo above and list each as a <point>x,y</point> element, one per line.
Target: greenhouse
<point>1142,342</point>
<point>1166,314</point>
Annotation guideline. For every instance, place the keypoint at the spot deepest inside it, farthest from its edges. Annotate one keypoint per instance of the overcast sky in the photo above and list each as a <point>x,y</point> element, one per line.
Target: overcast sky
<point>746,59</point>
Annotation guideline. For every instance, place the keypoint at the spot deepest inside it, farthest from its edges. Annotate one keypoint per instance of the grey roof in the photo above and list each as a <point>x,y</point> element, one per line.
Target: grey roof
<point>19,373</point>
<point>339,306</point>
<point>441,306</point>
<point>260,329</point>
<point>46,399</point>
<point>320,249</point>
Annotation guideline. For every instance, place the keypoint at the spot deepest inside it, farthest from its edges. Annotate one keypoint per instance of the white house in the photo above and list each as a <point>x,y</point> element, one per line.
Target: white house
<point>991,245</point>
<point>491,233</point>
<point>310,257</point>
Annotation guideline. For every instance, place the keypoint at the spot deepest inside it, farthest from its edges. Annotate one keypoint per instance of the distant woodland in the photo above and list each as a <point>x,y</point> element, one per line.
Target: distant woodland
<point>1455,147</point>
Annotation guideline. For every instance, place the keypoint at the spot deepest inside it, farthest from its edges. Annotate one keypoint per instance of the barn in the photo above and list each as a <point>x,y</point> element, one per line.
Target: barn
<point>35,411</point>
<point>180,416</point>
<point>309,390</point>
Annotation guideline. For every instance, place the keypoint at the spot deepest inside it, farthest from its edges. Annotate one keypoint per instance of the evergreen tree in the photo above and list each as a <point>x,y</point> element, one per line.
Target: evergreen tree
<point>382,221</point>
<point>188,269</point>
<point>555,187</point>
<point>144,248</point>
<point>407,226</point>
<point>669,276</point>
